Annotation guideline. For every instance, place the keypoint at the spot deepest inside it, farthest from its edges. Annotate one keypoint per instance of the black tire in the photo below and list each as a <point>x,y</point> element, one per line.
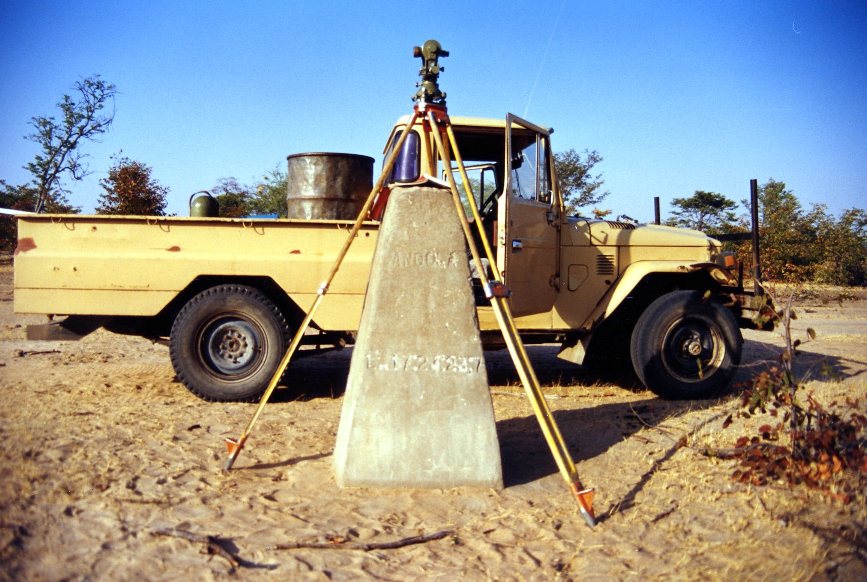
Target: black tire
<point>227,342</point>
<point>686,346</point>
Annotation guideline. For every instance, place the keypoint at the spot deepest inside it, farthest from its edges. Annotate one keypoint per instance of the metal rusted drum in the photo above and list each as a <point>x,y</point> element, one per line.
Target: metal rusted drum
<point>327,186</point>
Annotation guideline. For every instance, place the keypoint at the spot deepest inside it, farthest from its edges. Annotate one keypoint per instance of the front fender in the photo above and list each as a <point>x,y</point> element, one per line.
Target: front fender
<point>636,272</point>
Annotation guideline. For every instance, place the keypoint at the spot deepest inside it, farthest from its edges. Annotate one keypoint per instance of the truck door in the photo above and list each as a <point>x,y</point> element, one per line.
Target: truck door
<point>528,233</point>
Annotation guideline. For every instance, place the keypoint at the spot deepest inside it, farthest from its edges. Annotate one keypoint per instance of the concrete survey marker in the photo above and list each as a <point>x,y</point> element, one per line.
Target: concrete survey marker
<point>417,410</point>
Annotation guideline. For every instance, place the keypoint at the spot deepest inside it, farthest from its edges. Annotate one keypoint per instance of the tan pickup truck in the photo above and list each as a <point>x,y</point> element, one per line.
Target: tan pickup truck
<point>225,294</point>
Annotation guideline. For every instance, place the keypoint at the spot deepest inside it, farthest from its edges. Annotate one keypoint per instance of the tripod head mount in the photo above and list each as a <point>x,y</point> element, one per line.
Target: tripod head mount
<point>429,90</point>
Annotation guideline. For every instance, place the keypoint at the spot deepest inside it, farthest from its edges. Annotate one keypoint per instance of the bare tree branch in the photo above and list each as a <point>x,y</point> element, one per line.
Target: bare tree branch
<point>83,119</point>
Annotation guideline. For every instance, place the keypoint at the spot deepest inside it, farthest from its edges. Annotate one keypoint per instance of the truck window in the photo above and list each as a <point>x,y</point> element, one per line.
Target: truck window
<point>407,165</point>
<point>530,178</point>
<point>482,183</point>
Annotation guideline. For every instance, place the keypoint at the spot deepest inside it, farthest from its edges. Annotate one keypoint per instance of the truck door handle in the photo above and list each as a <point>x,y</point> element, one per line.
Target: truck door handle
<point>517,245</point>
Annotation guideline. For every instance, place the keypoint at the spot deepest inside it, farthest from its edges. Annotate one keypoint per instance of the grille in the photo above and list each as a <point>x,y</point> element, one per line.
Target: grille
<point>620,225</point>
<point>605,265</point>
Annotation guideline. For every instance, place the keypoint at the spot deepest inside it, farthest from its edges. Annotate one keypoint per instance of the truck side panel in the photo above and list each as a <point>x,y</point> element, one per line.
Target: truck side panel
<point>99,265</point>
<point>597,260</point>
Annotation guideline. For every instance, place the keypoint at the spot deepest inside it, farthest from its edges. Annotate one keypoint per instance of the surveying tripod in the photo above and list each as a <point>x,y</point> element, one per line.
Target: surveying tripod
<point>430,109</point>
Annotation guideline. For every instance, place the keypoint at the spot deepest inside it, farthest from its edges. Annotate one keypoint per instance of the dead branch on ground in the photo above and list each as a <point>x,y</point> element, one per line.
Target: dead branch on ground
<point>343,544</point>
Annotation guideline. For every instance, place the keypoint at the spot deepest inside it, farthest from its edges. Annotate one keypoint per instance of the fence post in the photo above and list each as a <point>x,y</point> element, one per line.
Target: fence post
<point>754,208</point>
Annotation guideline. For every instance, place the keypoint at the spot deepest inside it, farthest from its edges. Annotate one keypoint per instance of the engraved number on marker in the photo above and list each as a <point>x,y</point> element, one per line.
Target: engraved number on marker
<point>439,363</point>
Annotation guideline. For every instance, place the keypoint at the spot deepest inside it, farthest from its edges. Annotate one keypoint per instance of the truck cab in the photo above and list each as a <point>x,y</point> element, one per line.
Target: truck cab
<point>587,283</point>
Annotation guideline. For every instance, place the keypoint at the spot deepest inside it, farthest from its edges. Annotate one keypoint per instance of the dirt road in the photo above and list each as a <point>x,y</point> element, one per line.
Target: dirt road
<point>103,452</point>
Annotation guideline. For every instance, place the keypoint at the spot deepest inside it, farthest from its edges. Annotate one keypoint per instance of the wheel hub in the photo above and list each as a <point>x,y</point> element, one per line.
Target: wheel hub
<point>694,350</point>
<point>231,346</point>
<point>693,347</point>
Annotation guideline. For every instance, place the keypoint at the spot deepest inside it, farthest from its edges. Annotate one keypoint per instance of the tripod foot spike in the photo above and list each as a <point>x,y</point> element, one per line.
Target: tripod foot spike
<point>585,503</point>
<point>588,518</point>
<point>233,447</point>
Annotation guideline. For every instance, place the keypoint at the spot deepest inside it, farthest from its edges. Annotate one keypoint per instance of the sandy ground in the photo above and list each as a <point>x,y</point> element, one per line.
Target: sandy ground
<point>103,448</point>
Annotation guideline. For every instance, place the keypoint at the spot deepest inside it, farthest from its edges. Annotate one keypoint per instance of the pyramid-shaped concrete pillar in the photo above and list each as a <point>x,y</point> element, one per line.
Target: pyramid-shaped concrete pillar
<point>417,410</point>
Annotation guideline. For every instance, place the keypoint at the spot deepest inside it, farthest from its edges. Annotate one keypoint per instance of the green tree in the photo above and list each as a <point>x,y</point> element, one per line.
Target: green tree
<point>270,194</point>
<point>786,234</point>
<point>853,263</point>
<point>83,118</point>
<point>234,198</point>
<point>704,211</point>
<point>578,185</point>
<point>842,248</point>
<point>129,189</point>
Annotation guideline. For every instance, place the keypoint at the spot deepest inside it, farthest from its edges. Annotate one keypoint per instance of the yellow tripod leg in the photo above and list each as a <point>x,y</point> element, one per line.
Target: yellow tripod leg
<point>234,446</point>
<point>546,420</point>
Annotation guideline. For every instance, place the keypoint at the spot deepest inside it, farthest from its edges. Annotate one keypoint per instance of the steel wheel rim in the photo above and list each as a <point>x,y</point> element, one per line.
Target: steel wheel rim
<point>231,346</point>
<point>692,350</point>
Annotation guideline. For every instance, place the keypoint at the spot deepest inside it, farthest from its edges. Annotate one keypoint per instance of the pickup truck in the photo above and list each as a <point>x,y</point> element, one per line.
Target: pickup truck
<point>225,294</point>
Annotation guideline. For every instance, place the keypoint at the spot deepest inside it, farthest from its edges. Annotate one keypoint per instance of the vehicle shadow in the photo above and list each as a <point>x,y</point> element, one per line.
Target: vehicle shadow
<point>319,376</point>
<point>552,371</point>
<point>326,375</point>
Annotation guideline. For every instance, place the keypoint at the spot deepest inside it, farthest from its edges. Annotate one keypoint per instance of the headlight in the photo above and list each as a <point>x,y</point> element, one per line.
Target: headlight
<point>725,259</point>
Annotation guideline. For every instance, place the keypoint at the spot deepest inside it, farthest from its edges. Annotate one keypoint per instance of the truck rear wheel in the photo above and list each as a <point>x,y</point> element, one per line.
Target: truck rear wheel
<point>686,346</point>
<point>227,342</point>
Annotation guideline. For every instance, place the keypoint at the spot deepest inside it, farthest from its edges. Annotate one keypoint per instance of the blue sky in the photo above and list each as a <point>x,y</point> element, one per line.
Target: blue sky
<point>676,96</point>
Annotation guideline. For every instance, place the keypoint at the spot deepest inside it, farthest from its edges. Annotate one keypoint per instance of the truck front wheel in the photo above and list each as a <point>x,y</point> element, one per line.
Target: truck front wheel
<point>227,342</point>
<point>685,345</point>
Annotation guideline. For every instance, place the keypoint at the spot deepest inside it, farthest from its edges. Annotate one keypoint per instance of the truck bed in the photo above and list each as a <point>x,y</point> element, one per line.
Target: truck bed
<point>135,265</point>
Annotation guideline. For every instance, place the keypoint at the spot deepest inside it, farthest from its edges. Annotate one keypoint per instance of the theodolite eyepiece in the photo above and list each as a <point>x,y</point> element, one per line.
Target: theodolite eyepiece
<point>429,91</point>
